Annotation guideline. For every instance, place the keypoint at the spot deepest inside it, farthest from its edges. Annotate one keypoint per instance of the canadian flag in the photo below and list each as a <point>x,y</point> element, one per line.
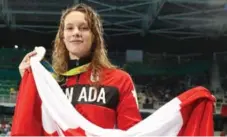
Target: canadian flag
<point>43,109</point>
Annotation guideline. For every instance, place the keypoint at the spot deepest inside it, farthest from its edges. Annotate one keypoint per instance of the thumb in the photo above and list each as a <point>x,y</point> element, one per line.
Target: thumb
<point>29,69</point>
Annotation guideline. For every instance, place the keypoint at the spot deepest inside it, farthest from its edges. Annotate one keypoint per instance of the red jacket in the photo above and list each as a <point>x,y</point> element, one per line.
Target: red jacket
<point>112,105</point>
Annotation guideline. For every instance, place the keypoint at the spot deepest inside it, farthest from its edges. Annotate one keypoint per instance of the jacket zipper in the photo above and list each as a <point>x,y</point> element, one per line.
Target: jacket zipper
<point>78,79</point>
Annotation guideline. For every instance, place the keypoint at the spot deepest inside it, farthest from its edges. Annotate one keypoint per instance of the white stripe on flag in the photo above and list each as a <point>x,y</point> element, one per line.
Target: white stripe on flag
<point>65,115</point>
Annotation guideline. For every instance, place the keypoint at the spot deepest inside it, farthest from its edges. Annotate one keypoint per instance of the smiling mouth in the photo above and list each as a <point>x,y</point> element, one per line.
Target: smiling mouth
<point>76,41</point>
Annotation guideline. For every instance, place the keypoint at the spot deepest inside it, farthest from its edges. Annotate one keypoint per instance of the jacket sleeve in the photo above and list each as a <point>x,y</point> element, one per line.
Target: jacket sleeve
<point>127,111</point>
<point>27,115</point>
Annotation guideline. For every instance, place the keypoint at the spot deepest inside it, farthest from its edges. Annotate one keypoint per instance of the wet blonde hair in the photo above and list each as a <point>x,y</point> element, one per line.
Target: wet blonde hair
<point>60,54</point>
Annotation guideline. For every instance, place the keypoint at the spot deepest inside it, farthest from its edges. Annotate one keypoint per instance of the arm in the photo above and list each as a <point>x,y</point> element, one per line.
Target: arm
<point>127,111</point>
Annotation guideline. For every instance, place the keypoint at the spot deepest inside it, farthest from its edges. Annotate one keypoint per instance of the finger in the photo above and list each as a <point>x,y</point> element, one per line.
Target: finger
<point>30,54</point>
<point>29,69</point>
<point>24,66</point>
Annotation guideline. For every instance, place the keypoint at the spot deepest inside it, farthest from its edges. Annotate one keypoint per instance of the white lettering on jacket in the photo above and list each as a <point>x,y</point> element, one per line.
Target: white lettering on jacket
<point>90,94</point>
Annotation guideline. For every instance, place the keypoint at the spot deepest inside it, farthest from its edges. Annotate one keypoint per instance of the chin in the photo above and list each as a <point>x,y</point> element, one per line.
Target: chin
<point>74,49</point>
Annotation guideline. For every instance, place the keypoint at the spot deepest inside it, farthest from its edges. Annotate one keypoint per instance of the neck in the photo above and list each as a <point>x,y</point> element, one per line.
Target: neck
<point>76,62</point>
<point>73,57</point>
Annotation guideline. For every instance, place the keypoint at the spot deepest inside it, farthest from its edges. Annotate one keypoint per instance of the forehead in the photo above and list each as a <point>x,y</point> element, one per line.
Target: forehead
<point>75,17</point>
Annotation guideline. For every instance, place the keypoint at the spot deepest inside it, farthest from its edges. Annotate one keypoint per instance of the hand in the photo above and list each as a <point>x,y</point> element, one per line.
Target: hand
<point>25,63</point>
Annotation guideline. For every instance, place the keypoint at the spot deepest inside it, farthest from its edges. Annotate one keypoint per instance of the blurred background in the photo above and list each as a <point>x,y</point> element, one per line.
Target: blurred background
<point>168,46</point>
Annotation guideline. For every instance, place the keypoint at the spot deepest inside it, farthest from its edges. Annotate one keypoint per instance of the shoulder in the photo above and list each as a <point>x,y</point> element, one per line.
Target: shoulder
<point>117,78</point>
<point>118,74</point>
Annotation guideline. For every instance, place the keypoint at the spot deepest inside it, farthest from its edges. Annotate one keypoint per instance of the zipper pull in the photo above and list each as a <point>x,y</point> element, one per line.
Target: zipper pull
<point>77,78</point>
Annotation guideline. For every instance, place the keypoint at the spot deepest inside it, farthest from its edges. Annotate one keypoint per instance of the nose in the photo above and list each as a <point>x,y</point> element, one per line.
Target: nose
<point>76,31</point>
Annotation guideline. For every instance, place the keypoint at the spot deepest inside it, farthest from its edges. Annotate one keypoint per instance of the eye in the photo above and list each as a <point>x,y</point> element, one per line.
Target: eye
<point>69,28</point>
<point>84,28</point>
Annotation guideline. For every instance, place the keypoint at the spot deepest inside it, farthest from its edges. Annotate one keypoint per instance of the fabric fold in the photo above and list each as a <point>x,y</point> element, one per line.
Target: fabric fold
<point>189,114</point>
